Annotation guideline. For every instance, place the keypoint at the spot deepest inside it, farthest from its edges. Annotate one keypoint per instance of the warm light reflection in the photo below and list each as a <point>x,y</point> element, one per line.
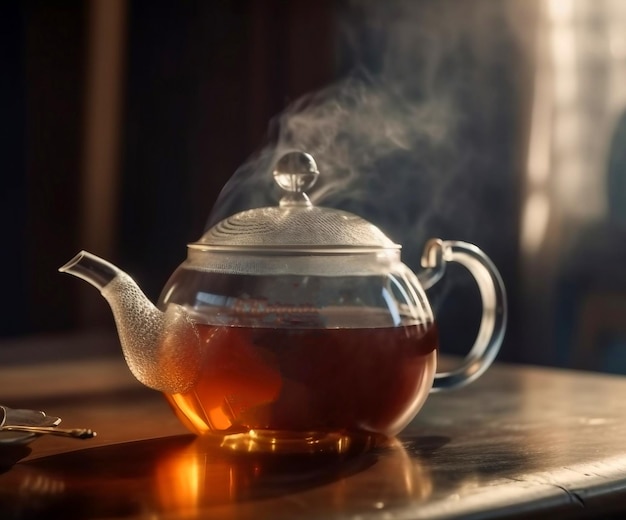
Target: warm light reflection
<point>197,479</point>
<point>187,479</point>
<point>178,482</point>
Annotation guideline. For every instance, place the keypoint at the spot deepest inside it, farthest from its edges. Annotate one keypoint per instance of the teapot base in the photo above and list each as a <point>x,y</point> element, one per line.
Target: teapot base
<point>295,442</point>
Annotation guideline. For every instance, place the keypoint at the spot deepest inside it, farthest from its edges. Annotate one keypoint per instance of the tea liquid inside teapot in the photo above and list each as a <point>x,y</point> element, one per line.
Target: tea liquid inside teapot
<point>309,383</point>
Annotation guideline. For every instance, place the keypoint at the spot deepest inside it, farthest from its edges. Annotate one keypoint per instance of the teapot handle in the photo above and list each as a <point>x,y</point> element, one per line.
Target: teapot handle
<point>493,324</point>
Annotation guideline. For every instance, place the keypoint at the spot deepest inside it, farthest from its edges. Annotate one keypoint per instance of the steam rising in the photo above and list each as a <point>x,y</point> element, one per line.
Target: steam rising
<point>397,140</point>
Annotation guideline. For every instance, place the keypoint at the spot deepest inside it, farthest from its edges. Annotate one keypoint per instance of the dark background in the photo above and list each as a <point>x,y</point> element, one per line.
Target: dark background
<point>201,82</point>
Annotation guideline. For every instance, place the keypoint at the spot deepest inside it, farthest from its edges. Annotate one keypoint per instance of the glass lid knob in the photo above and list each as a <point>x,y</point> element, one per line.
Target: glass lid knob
<point>295,173</point>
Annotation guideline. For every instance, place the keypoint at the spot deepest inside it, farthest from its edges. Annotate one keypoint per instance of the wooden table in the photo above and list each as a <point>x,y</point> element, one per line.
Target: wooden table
<point>520,442</point>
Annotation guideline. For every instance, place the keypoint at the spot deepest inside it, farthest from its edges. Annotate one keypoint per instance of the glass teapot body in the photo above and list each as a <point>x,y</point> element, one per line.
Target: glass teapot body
<point>296,328</point>
<point>323,345</point>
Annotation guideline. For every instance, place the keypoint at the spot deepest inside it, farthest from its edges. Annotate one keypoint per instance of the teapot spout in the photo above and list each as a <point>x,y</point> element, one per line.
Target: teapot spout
<point>91,268</point>
<point>162,349</point>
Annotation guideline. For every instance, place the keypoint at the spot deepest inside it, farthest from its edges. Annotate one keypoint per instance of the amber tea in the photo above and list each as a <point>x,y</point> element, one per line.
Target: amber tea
<point>309,380</point>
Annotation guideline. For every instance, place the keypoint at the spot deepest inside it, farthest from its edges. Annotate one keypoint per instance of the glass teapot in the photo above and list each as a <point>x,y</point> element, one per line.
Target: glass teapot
<point>296,328</point>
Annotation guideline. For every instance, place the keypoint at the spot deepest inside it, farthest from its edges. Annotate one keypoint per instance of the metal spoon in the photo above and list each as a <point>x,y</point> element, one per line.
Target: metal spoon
<point>77,433</point>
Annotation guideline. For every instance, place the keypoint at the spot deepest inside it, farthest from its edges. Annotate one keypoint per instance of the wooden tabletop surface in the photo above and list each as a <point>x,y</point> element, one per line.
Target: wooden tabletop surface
<point>520,442</point>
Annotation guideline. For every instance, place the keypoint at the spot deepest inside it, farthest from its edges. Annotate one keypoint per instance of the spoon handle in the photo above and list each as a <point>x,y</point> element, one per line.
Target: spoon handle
<point>77,433</point>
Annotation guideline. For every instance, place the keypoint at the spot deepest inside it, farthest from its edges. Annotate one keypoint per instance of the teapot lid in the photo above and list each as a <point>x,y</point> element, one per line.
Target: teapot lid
<point>296,224</point>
